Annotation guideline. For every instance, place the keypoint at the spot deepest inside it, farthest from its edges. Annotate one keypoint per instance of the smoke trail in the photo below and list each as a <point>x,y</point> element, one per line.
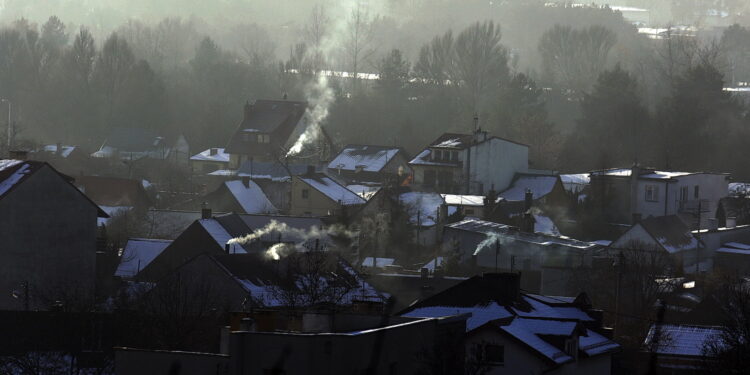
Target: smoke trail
<point>320,97</point>
<point>491,240</point>
<point>295,239</point>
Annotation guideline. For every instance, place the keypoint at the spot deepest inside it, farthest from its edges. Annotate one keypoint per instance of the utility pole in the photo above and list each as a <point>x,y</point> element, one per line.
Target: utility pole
<point>617,293</point>
<point>10,125</point>
<point>698,245</point>
<point>512,263</point>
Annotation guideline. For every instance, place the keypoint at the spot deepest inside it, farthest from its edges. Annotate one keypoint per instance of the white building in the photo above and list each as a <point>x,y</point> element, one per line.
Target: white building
<point>469,164</point>
<point>628,194</point>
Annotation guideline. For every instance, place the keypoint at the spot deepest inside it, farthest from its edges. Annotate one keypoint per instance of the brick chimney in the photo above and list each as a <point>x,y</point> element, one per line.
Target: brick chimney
<point>246,181</point>
<point>528,200</point>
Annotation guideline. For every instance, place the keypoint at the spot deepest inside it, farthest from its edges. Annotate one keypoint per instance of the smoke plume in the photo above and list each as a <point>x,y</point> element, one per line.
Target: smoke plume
<point>320,97</point>
<point>295,239</point>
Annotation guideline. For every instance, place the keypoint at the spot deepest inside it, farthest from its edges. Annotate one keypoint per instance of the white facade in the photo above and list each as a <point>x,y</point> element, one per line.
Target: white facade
<point>681,195</point>
<point>493,164</point>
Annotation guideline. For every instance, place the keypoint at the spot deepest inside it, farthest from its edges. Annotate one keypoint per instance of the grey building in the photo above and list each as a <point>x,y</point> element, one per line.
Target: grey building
<point>48,236</point>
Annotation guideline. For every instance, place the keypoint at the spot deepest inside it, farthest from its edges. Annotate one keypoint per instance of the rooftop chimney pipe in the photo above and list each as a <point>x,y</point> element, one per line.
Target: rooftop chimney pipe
<point>246,181</point>
<point>528,200</point>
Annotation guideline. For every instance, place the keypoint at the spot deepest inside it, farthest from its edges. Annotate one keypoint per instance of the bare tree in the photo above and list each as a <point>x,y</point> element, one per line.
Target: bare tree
<point>358,40</point>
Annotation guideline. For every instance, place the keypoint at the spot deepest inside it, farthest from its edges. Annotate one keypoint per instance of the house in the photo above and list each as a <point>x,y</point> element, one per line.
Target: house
<point>546,190</point>
<point>244,281</point>
<point>543,259</point>
<point>679,346</point>
<point>266,131</point>
<point>48,236</point>
<point>131,144</point>
<point>406,288</point>
<point>469,164</point>
<point>241,196</point>
<point>466,205</point>
<point>274,178</point>
<point>137,254</point>
<point>209,160</point>
<point>510,332</point>
<point>114,194</point>
<point>370,163</point>
<point>211,235</point>
<point>726,246</point>
<point>59,151</point>
<point>733,210</point>
<point>427,213</point>
<point>625,195</point>
<point>315,194</point>
<point>668,234</point>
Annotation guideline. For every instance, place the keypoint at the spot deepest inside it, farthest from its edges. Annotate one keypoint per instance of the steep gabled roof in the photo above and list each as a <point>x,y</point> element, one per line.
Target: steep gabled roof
<point>14,172</point>
<point>250,197</point>
<point>134,139</point>
<point>539,185</point>
<point>670,232</point>
<point>368,158</point>
<point>277,117</point>
<point>332,189</point>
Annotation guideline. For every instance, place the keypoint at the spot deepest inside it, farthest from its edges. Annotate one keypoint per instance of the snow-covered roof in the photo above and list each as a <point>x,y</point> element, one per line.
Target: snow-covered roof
<point>434,263</point>
<point>670,232</point>
<point>730,250</point>
<point>363,157</point>
<point>529,331</point>
<point>463,200</point>
<point>543,224</point>
<point>212,154</point>
<point>646,173</point>
<point>575,182</point>
<point>379,262</point>
<point>364,191</point>
<point>539,185</point>
<point>737,245</point>
<point>64,152</point>
<point>220,235</point>
<point>11,177</point>
<point>137,254</point>
<point>423,207</point>
<point>424,158</point>
<point>250,197</point>
<point>332,189</point>
<point>480,314</point>
<point>683,340</point>
<point>513,234</point>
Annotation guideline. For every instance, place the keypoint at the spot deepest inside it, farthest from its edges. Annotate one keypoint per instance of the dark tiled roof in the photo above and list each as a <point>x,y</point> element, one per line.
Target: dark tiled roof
<point>134,139</point>
<point>112,191</point>
<point>479,290</point>
<point>670,231</point>
<point>276,117</point>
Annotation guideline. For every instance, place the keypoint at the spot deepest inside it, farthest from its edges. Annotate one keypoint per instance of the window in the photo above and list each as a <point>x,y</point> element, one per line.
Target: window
<point>652,193</point>
<point>696,192</point>
<point>264,138</point>
<point>245,137</point>
<point>493,354</point>
<point>683,194</point>
<point>305,193</point>
<point>454,155</point>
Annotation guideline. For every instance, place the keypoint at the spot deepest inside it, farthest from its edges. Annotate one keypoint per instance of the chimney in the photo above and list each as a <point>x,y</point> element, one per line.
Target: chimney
<point>310,169</point>
<point>58,148</point>
<point>246,181</point>
<point>18,155</point>
<point>506,285</point>
<point>226,247</point>
<point>528,200</point>
<point>424,273</point>
<point>731,222</point>
<point>527,226</point>
<point>205,211</point>
<point>713,224</point>
<point>213,151</point>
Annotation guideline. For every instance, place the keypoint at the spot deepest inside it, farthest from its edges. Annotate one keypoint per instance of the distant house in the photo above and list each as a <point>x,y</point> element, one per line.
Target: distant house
<point>575,183</point>
<point>733,210</point>
<point>407,288</point>
<point>211,235</point>
<point>274,178</point>
<point>131,144</point>
<point>627,194</point>
<point>546,190</point>
<point>48,236</point>
<point>137,254</point>
<point>370,163</point>
<point>663,233</point>
<point>59,151</point>
<point>114,194</point>
<point>240,196</point>
<point>679,346</point>
<point>315,194</point>
<point>510,332</point>
<point>266,130</point>
<point>469,164</point>
<point>467,205</point>
<point>209,160</point>
<point>728,246</point>
<point>427,212</point>
<point>544,260</point>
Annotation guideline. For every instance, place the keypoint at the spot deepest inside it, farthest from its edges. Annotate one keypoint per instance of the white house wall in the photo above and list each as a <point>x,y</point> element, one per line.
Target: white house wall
<point>494,163</point>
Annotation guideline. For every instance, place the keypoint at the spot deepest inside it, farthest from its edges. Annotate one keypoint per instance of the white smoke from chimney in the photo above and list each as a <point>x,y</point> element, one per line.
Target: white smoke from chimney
<point>320,97</point>
<point>295,239</point>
